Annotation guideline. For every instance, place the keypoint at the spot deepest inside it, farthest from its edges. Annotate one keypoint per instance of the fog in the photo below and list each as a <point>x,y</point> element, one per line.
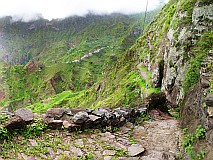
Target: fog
<point>51,9</point>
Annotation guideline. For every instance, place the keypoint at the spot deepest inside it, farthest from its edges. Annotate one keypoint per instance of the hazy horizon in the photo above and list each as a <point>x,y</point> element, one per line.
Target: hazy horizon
<point>27,10</point>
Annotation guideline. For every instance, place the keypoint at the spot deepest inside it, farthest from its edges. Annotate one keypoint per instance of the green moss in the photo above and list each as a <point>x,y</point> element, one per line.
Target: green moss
<point>199,53</point>
<point>175,23</point>
<point>187,6</point>
<point>193,72</point>
<point>211,86</point>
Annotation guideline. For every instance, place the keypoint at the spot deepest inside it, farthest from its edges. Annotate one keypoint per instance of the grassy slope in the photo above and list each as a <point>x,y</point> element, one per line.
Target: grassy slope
<point>121,85</point>
<point>55,50</point>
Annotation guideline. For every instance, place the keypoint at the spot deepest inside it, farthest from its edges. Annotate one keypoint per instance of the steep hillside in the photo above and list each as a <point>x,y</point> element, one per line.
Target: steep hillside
<point>163,58</point>
<point>177,50</point>
<point>40,53</point>
<point>166,53</point>
<point>174,55</point>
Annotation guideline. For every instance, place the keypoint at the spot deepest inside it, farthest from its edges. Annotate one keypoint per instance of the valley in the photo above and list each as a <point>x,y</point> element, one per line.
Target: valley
<point>109,86</point>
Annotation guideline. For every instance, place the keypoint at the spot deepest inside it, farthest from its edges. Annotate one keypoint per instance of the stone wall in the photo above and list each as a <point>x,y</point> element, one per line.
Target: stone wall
<point>72,119</point>
<point>80,119</point>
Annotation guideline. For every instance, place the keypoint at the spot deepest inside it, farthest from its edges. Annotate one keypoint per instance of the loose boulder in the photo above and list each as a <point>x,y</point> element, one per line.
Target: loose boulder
<point>54,123</point>
<point>105,114</point>
<point>71,126</point>
<point>57,113</point>
<point>135,150</point>
<point>95,119</point>
<point>26,114</point>
<point>101,112</point>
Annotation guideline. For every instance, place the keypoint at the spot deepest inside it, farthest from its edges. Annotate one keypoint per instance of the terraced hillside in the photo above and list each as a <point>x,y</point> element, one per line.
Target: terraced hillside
<point>48,57</point>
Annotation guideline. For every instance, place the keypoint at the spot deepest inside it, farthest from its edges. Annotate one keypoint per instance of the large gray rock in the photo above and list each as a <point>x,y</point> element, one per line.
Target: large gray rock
<point>201,18</point>
<point>157,74</point>
<point>127,113</point>
<point>15,122</point>
<point>105,114</point>
<point>102,112</point>
<point>26,114</point>
<point>209,100</point>
<point>80,117</point>
<point>135,150</point>
<point>57,113</point>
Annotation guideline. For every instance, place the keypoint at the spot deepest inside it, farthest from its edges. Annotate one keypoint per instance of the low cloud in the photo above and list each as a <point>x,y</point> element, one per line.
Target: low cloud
<point>50,9</point>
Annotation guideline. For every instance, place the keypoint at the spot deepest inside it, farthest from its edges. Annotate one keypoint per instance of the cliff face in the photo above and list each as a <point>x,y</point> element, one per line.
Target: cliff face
<point>177,49</point>
<point>175,39</point>
<point>197,107</point>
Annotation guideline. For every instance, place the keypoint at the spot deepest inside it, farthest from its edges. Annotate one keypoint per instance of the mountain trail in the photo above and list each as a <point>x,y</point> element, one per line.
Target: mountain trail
<point>156,139</point>
<point>141,72</point>
<point>161,139</point>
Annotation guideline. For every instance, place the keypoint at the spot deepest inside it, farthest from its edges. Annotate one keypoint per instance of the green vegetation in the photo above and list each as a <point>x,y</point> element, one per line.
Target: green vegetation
<point>198,54</point>
<point>31,131</point>
<point>189,139</point>
<point>34,129</point>
<point>3,118</point>
<point>175,112</point>
<point>200,132</point>
<point>193,72</point>
<point>41,55</point>
<point>4,133</point>
<point>211,86</point>
<point>187,6</point>
<point>145,117</point>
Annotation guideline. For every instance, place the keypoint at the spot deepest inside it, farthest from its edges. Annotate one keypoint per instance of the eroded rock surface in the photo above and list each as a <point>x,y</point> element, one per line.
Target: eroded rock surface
<point>26,114</point>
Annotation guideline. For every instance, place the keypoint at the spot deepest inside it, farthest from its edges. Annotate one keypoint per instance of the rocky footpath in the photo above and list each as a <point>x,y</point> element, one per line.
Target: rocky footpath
<point>79,119</point>
<point>96,134</point>
<point>156,139</point>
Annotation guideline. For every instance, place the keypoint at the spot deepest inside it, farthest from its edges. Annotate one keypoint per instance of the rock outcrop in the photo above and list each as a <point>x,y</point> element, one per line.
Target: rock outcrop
<point>197,107</point>
<point>168,59</point>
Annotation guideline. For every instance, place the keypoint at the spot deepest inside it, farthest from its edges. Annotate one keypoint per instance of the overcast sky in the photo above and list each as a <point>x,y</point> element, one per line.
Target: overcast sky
<point>63,8</point>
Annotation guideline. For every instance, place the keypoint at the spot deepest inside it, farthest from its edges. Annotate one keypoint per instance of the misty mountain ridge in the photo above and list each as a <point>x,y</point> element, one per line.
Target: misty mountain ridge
<point>88,76</point>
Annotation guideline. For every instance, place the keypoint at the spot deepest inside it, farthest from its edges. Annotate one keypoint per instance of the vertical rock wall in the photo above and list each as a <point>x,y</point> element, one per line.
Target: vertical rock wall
<point>174,50</point>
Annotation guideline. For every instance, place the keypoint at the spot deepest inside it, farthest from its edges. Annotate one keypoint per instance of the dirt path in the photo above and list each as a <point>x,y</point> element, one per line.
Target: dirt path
<point>142,73</point>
